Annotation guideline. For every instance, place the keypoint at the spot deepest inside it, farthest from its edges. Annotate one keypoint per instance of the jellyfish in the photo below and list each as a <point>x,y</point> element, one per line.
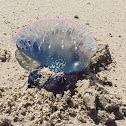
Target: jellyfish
<point>62,45</point>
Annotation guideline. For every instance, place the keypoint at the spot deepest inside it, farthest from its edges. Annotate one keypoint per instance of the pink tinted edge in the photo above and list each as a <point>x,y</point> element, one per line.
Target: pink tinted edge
<point>72,20</point>
<point>20,29</point>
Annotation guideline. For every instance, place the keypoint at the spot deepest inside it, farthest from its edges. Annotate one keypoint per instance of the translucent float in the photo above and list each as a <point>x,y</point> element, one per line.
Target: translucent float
<point>61,44</point>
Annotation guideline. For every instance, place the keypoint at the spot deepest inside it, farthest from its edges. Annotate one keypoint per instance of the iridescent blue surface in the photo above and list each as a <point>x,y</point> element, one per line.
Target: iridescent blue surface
<point>60,44</point>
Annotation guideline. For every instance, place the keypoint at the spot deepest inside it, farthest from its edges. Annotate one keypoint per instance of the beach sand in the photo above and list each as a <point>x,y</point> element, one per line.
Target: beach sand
<point>98,99</point>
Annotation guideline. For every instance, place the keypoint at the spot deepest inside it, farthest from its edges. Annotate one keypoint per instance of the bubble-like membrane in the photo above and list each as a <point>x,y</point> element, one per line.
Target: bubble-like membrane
<point>61,44</point>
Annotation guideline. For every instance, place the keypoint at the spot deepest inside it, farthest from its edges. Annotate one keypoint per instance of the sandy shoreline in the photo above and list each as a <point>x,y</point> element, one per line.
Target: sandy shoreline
<point>106,21</point>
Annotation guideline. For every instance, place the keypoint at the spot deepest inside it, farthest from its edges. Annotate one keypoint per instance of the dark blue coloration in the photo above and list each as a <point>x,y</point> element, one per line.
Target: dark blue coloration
<point>32,79</point>
<point>56,84</point>
<point>62,45</point>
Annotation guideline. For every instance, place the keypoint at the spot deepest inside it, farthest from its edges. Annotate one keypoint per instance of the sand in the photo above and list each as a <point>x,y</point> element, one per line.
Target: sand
<point>99,98</point>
